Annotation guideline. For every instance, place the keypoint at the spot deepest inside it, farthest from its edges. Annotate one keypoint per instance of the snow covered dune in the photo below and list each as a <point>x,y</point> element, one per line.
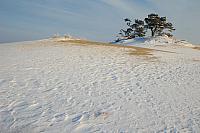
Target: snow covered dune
<point>61,87</point>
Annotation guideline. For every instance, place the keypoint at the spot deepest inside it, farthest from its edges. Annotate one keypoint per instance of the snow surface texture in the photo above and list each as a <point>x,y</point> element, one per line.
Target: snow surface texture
<point>52,87</point>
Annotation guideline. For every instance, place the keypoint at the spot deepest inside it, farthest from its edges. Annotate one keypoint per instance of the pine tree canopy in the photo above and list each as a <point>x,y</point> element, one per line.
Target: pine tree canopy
<point>157,25</point>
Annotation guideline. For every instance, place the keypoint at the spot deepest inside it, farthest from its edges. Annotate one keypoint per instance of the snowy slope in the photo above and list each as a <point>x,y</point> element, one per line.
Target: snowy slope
<point>58,87</point>
<point>153,41</point>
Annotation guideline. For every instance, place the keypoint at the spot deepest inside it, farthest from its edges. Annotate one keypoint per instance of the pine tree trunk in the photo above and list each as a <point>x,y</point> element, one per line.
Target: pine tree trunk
<point>152,33</point>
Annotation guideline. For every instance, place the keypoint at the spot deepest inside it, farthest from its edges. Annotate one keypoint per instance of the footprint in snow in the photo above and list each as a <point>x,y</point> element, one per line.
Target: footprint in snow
<point>77,118</point>
<point>105,115</point>
<point>2,81</point>
<point>59,117</point>
<point>82,117</point>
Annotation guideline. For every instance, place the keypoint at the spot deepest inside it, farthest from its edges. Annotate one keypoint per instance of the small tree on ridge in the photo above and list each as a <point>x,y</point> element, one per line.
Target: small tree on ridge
<point>157,25</point>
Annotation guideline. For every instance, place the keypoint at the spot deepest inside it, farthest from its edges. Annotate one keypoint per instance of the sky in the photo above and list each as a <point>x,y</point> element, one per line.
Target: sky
<point>98,20</point>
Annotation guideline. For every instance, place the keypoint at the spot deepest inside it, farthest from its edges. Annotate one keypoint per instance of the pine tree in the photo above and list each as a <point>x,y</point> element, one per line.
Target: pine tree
<point>157,25</point>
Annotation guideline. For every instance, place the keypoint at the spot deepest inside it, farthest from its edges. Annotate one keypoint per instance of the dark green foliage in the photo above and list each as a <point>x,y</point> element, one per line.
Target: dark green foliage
<point>139,29</point>
<point>133,30</point>
<point>157,25</point>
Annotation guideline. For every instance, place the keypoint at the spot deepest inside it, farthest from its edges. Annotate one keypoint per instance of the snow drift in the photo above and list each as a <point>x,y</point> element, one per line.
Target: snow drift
<point>153,41</point>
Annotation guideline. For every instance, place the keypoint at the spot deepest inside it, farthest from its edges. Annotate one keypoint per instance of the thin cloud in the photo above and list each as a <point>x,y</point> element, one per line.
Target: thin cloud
<point>119,4</point>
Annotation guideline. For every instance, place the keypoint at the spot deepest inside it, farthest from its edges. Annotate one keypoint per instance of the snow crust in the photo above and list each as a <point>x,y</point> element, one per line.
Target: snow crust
<point>52,87</point>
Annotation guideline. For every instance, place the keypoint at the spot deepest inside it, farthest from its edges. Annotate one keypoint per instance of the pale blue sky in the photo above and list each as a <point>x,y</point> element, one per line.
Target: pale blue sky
<point>98,20</point>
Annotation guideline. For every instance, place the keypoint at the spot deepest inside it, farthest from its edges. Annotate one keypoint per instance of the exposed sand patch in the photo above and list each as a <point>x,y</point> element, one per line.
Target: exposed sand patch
<point>197,48</point>
<point>143,53</point>
<point>198,60</point>
<point>139,51</point>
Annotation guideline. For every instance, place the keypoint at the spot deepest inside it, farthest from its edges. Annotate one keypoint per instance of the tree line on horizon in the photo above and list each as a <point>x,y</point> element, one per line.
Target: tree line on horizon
<point>157,25</point>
